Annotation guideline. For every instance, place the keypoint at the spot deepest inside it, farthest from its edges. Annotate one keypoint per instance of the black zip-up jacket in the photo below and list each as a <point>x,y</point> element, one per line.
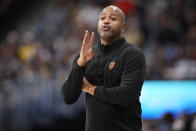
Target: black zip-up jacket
<point>118,71</point>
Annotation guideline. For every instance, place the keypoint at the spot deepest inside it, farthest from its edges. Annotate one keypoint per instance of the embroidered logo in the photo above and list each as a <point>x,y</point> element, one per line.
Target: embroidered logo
<point>111,65</point>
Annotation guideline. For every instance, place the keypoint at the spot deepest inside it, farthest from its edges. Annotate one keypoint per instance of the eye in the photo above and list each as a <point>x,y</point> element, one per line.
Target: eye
<point>102,17</point>
<point>113,18</point>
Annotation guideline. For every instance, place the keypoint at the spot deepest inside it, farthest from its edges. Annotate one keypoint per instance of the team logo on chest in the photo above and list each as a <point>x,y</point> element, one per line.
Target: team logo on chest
<point>111,65</point>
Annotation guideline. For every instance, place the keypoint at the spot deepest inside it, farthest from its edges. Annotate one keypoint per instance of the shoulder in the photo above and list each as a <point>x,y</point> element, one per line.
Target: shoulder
<point>133,54</point>
<point>132,51</point>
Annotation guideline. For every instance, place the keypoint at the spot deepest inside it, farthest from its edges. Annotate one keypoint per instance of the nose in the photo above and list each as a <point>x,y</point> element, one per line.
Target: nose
<point>107,21</point>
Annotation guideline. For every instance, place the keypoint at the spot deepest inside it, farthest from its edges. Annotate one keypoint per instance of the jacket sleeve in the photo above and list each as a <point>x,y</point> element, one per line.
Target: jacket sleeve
<point>129,89</point>
<point>71,89</point>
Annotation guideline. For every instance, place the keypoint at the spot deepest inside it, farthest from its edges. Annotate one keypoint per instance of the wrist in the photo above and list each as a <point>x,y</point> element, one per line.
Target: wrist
<point>81,63</point>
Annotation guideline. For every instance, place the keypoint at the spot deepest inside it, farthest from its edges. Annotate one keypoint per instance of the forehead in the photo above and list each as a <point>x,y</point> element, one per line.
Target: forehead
<point>110,11</point>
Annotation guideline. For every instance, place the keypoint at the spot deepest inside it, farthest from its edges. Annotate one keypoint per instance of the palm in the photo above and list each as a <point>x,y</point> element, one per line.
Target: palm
<point>86,52</point>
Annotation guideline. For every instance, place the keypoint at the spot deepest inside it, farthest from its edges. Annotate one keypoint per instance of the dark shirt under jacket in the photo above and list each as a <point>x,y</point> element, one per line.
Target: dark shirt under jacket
<point>118,71</point>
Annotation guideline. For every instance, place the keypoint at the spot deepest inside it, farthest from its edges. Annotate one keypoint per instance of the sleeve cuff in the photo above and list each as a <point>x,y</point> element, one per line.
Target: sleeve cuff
<point>79,68</point>
<point>97,91</point>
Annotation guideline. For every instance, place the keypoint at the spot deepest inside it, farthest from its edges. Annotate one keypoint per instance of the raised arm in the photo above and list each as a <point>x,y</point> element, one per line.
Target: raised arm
<point>72,87</point>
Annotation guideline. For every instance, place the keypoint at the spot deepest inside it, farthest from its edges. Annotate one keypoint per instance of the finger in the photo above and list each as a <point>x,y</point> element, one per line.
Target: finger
<point>85,80</point>
<point>92,39</point>
<point>87,37</point>
<point>84,89</point>
<point>85,40</point>
<point>91,53</point>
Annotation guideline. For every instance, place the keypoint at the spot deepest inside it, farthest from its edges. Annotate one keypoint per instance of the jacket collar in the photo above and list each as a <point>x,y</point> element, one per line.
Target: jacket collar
<point>109,47</point>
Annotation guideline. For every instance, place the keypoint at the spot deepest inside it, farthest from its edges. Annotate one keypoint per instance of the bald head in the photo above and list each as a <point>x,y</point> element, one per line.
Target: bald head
<point>117,10</point>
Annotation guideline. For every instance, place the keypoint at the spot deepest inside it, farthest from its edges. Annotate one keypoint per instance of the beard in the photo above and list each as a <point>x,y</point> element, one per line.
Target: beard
<point>110,34</point>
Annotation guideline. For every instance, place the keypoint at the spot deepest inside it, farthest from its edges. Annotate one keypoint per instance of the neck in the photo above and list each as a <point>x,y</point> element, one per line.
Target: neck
<point>106,42</point>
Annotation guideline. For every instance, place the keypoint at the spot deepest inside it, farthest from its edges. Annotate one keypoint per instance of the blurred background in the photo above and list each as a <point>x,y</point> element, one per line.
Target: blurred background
<point>40,38</point>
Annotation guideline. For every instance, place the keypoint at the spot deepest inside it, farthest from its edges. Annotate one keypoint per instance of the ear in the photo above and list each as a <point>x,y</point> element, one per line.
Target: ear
<point>123,27</point>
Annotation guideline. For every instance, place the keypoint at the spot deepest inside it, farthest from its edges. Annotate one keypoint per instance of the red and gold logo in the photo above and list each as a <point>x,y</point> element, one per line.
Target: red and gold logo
<point>111,65</point>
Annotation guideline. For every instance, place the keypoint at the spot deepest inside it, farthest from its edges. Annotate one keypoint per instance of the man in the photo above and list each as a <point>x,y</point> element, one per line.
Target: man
<point>111,73</point>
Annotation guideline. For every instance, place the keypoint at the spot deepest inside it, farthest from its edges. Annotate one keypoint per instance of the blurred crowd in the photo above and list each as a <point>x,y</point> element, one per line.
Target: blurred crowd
<point>36,57</point>
<point>183,122</point>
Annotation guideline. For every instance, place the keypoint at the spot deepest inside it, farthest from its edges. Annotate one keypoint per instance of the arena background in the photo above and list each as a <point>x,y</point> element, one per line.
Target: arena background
<point>39,39</point>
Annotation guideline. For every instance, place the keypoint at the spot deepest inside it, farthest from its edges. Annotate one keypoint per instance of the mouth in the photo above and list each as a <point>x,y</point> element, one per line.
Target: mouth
<point>106,27</point>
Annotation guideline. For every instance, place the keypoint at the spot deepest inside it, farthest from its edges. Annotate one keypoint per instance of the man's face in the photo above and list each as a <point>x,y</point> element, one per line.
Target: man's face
<point>110,24</point>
